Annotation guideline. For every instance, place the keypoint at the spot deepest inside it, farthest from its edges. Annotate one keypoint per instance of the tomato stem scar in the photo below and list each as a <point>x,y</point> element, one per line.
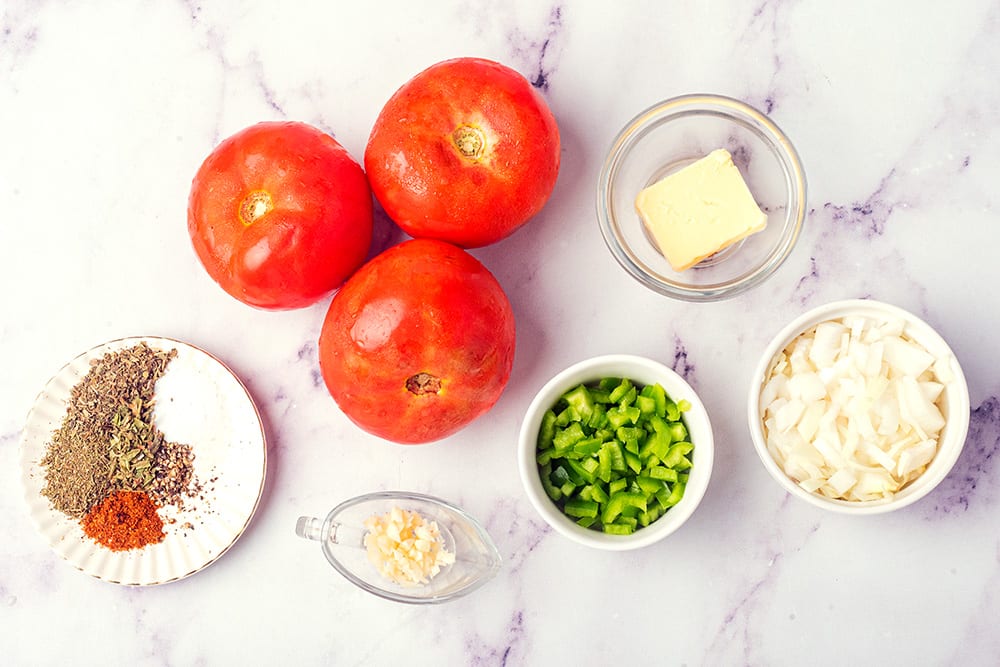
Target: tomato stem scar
<point>470,141</point>
<point>423,383</point>
<point>255,206</point>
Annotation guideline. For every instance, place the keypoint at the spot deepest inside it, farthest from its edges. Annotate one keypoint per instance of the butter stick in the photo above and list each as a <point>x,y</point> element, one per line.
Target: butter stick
<point>699,210</point>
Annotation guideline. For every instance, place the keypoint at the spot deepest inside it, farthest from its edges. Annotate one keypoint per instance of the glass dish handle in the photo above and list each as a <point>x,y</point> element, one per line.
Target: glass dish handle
<point>309,527</point>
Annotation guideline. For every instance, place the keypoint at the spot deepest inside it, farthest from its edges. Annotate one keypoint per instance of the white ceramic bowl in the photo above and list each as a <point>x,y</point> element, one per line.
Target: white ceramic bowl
<point>641,371</point>
<point>954,405</point>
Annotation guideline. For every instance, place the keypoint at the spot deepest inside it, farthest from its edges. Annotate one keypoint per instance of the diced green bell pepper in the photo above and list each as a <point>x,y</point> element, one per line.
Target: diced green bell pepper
<point>544,457</point>
<point>676,494</point>
<point>580,508</point>
<point>608,383</point>
<point>677,452</point>
<point>649,485</point>
<point>657,444</point>
<point>559,475</point>
<point>662,473</point>
<point>618,393</point>
<point>547,429</point>
<point>628,399</point>
<point>617,455</point>
<point>613,455</point>
<point>618,417</point>
<point>604,463</point>
<point>581,401</point>
<point>660,399</point>
<point>581,470</point>
<point>586,447</point>
<point>598,493</point>
<point>633,462</point>
<point>566,417</point>
<point>618,529</point>
<point>551,490</point>
<point>567,437</point>
<point>599,418</point>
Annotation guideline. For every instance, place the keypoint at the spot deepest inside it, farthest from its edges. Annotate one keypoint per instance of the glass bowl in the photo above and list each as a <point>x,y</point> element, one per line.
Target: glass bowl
<point>673,134</point>
<point>954,404</point>
<point>642,371</point>
<point>341,535</point>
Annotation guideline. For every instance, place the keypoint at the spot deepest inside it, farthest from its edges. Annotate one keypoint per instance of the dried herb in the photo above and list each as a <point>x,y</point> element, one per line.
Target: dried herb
<point>133,445</point>
<point>107,441</point>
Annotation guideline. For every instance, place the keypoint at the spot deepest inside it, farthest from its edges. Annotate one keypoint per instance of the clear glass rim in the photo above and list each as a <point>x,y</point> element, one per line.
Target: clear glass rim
<point>697,104</point>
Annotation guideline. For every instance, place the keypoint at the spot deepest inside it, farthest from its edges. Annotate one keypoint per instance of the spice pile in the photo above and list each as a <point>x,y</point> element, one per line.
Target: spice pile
<point>108,465</point>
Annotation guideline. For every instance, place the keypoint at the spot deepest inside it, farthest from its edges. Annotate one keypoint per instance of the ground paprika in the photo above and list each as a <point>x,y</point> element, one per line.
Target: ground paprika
<point>124,520</point>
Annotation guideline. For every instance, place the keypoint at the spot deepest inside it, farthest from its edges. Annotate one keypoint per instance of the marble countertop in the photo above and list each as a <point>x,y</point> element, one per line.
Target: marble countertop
<point>107,111</point>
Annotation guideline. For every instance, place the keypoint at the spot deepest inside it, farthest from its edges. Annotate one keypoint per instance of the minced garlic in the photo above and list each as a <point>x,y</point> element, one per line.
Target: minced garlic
<point>405,547</point>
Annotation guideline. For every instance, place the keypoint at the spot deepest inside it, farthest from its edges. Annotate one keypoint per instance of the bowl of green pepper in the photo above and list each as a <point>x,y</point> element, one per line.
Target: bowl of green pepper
<point>615,452</point>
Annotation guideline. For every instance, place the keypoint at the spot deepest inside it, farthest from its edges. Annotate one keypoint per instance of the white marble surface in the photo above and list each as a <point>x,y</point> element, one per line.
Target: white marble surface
<point>107,109</point>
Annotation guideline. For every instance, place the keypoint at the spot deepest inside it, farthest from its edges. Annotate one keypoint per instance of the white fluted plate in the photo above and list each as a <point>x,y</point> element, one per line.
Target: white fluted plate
<point>199,402</point>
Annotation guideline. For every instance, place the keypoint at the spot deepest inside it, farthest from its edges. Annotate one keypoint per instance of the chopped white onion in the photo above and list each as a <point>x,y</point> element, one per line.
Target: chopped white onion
<point>852,408</point>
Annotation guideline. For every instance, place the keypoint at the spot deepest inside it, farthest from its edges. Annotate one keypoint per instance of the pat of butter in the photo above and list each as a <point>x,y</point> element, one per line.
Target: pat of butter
<point>699,210</point>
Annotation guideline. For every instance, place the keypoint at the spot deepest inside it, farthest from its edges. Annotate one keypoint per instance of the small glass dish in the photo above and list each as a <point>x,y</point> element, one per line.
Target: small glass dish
<point>342,533</point>
<point>673,134</point>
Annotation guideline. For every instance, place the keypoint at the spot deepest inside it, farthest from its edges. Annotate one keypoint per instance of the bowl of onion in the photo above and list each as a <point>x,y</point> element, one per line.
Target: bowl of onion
<point>858,407</point>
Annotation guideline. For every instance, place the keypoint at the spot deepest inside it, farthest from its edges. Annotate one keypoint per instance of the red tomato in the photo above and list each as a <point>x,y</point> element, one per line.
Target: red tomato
<point>418,343</point>
<point>466,151</point>
<point>280,214</point>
